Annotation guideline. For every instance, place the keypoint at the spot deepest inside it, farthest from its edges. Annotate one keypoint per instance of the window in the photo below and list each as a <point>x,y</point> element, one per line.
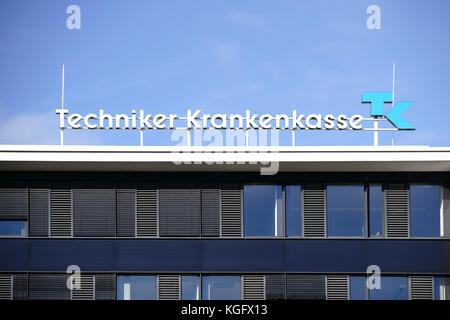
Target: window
<point>13,228</point>
<point>358,287</point>
<point>263,211</point>
<point>392,288</point>
<point>437,288</point>
<point>293,211</point>
<point>221,288</point>
<point>189,288</point>
<point>345,211</point>
<point>136,288</point>
<point>375,210</point>
<point>425,211</point>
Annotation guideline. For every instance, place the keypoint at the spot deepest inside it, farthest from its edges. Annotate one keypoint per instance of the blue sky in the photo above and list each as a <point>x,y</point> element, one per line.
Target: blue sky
<point>222,57</point>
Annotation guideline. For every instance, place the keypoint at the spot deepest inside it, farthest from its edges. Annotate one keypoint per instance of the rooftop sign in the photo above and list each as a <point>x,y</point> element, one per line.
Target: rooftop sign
<point>194,119</point>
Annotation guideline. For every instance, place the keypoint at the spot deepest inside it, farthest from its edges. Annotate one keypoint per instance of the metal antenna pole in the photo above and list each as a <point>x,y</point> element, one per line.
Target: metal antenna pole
<point>375,131</point>
<point>61,132</point>
<point>393,95</point>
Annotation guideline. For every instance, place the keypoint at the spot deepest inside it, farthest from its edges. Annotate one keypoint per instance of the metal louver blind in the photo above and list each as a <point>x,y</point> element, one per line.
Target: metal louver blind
<point>126,212</point>
<point>48,287</point>
<point>231,212</point>
<point>337,288</point>
<point>20,286</point>
<point>210,212</point>
<point>13,203</point>
<point>275,286</point>
<point>421,287</point>
<point>305,287</point>
<point>169,287</point>
<point>86,291</point>
<point>397,211</point>
<point>5,287</point>
<point>94,212</point>
<point>39,205</point>
<point>254,287</point>
<point>147,213</point>
<point>313,211</point>
<point>60,212</point>
<point>105,286</point>
<point>179,212</point>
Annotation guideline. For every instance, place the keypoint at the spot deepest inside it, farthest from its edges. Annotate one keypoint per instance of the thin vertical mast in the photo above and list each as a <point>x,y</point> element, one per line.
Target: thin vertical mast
<point>393,94</point>
<point>61,132</point>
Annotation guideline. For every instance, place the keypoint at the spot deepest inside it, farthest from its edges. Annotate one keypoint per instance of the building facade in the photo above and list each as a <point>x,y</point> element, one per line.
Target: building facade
<point>206,224</point>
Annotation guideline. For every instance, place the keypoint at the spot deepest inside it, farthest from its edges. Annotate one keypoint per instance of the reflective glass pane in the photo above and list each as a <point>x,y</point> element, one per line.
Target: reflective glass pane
<point>425,211</point>
<point>358,289</point>
<point>437,288</point>
<point>293,211</point>
<point>13,228</point>
<point>392,288</point>
<point>136,287</point>
<point>221,288</point>
<point>189,288</point>
<point>345,211</point>
<point>375,211</point>
<point>263,211</point>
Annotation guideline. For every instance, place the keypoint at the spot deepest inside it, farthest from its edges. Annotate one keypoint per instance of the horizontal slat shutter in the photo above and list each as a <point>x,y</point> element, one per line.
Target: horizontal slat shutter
<point>61,212</point>
<point>231,212</point>
<point>105,286</point>
<point>253,287</point>
<point>169,287</point>
<point>337,288</point>
<point>314,211</point>
<point>397,211</point>
<point>421,287</point>
<point>5,287</point>
<point>179,212</point>
<point>14,203</point>
<point>48,287</point>
<point>210,212</point>
<point>147,213</point>
<point>126,212</point>
<point>86,291</point>
<point>275,286</point>
<point>20,286</point>
<point>306,287</point>
<point>94,212</point>
<point>39,212</point>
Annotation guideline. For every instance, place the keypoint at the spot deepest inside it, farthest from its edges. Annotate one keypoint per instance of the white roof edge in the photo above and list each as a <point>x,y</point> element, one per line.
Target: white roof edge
<point>160,158</point>
<point>151,149</point>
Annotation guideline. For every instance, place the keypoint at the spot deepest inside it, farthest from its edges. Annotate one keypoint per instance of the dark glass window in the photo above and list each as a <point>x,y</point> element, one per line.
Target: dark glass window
<point>263,211</point>
<point>437,288</point>
<point>358,288</point>
<point>190,288</point>
<point>221,288</point>
<point>13,228</point>
<point>136,287</point>
<point>425,211</point>
<point>345,210</point>
<point>375,210</point>
<point>392,288</point>
<point>293,211</point>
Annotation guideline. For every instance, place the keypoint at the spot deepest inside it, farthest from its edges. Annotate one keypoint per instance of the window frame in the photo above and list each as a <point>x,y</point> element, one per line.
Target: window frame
<point>441,209</point>
<point>26,235</point>
<point>383,210</point>
<point>365,213</point>
<point>283,211</point>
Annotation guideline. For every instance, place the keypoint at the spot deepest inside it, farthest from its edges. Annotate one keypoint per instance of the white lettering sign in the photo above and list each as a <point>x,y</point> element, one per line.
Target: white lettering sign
<point>194,119</point>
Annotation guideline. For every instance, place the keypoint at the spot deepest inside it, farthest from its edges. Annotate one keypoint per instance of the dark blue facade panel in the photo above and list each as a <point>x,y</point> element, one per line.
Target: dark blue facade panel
<point>225,255</point>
